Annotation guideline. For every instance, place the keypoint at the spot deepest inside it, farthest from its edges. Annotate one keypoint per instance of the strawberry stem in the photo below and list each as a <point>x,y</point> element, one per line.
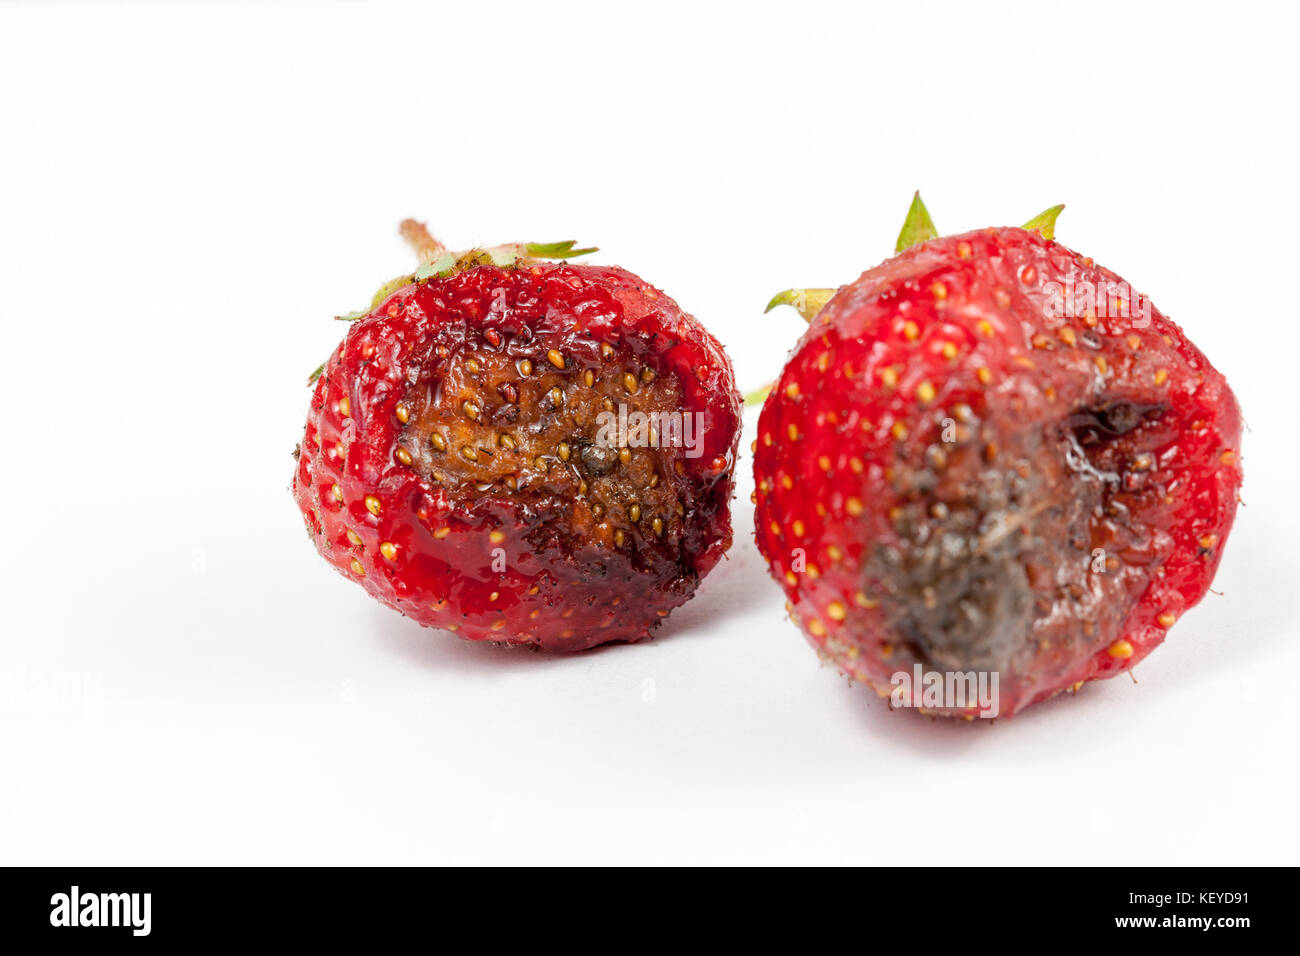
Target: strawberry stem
<point>418,238</point>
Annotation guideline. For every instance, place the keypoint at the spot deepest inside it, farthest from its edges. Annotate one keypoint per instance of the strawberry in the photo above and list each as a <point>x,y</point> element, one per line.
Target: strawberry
<point>989,454</point>
<point>522,450</point>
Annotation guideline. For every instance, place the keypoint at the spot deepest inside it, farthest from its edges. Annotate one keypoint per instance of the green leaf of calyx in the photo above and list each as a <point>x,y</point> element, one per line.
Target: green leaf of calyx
<point>758,396</point>
<point>557,250</point>
<point>807,302</point>
<point>315,376</point>
<point>352,316</point>
<point>388,288</point>
<point>439,266</point>
<point>918,227</point>
<point>1045,222</point>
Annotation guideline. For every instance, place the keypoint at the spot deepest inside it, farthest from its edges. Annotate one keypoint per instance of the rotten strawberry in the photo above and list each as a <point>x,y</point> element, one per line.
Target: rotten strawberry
<point>990,455</point>
<point>522,450</point>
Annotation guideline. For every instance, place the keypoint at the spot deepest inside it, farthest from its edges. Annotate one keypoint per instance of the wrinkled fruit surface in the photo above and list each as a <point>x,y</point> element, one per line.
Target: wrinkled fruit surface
<point>459,463</point>
<point>969,465</point>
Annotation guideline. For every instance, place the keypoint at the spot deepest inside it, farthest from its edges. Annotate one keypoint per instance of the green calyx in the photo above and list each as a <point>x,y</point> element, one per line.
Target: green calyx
<point>437,261</point>
<point>1045,222</point>
<point>807,302</point>
<point>505,257</point>
<point>918,227</point>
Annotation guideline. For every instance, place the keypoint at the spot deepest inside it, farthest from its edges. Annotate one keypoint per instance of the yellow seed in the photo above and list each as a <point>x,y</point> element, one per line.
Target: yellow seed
<point>1162,376</point>
<point>403,456</point>
<point>1167,619</point>
<point>949,351</point>
<point>354,538</point>
<point>861,600</point>
<point>588,378</point>
<point>1100,362</point>
<point>963,250</point>
<point>388,550</point>
<point>647,375</point>
<point>824,462</point>
<point>899,431</point>
<point>925,392</point>
<point>816,628</point>
<point>373,505</point>
<point>1121,649</point>
<point>834,552</point>
<point>939,290</point>
<point>496,537</point>
<point>403,412</point>
<point>557,397</point>
<point>555,358</point>
<point>507,442</point>
<point>853,506</point>
<point>469,454</point>
<point>563,450</point>
<point>498,625</point>
<point>606,350</point>
<point>1208,541</point>
<point>624,455</point>
<point>438,441</point>
<point>985,327</point>
<point>629,383</point>
<point>984,375</point>
<point>336,492</point>
<point>797,527</point>
<point>1067,336</point>
<point>494,595</point>
<point>597,510</point>
<point>634,513</point>
<point>792,390</point>
<point>525,367</point>
<point>910,331</point>
<point>791,578</point>
<point>836,611</point>
<point>618,538</point>
<point>471,410</point>
<point>473,366</point>
<point>889,376</point>
<point>345,407</point>
<point>441,533</point>
<point>658,527</point>
<point>357,568</point>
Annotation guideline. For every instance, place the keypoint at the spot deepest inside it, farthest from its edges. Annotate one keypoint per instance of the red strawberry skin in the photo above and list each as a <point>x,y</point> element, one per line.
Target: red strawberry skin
<point>967,465</point>
<point>527,564</point>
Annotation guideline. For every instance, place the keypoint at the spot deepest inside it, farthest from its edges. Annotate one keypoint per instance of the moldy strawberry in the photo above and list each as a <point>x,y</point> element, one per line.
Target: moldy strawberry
<point>459,462</point>
<point>988,453</point>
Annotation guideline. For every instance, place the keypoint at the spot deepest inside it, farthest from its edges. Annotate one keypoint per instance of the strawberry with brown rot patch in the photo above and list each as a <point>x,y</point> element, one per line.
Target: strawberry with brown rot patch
<point>990,454</point>
<point>522,450</point>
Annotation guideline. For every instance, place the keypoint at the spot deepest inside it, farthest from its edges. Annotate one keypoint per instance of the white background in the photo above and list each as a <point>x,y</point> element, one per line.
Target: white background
<point>189,193</point>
